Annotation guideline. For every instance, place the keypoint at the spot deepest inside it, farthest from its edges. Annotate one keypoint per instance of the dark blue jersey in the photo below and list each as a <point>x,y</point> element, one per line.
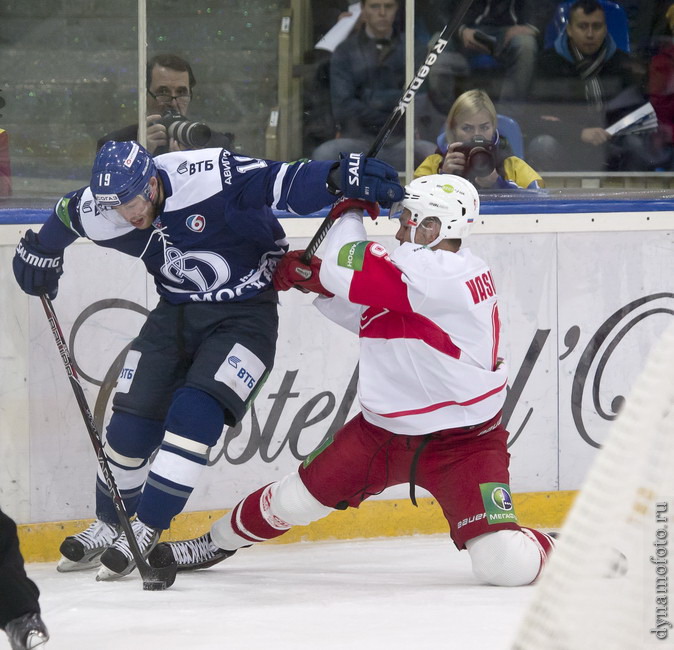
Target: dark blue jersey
<point>216,237</point>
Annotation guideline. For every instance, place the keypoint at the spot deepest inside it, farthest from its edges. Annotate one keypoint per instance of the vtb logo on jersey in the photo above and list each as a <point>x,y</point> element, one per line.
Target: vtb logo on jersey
<point>196,222</point>
<point>198,270</point>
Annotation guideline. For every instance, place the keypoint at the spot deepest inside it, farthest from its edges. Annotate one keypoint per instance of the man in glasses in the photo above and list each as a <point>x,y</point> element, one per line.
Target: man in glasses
<point>170,82</point>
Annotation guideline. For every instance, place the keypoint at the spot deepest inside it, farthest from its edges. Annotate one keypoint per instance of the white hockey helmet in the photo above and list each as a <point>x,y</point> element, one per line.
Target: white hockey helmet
<point>451,199</point>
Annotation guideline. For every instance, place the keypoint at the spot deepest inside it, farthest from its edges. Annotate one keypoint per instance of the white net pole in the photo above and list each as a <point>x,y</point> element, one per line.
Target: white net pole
<point>606,585</point>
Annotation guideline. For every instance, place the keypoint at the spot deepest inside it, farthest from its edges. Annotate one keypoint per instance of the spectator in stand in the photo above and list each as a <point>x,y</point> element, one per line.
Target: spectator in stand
<point>170,83</point>
<point>515,42</point>
<point>318,124</point>
<point>473,115</point>
<point>19,606</point>
<point>584,84</point>
<point>367,78</point>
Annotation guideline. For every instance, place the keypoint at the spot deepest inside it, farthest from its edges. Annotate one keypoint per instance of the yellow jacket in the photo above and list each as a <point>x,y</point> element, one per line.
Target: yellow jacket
<point>516,174</point>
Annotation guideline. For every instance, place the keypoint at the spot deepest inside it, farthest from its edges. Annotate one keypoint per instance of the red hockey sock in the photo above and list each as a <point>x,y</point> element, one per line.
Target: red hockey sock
<point>544,542</point>
<point>253,519</point>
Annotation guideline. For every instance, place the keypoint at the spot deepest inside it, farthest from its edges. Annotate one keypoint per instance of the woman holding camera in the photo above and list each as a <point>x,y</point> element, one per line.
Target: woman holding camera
<point>477,151</point>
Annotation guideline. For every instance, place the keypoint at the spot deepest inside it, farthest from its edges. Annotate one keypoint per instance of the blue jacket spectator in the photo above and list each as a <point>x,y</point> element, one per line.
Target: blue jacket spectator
<point>514,40</point>
<point>583,85</point>
<point>367,78</point>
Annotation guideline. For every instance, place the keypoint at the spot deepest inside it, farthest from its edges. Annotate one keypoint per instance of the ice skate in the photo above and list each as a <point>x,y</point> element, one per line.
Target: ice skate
<point>118,561</point>
<point>190,554</point>
<point>83,551</point>
<point>27,631</point>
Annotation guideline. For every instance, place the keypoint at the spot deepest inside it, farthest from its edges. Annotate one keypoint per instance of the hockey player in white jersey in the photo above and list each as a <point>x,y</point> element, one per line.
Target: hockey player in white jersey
<point>203,224</point>
<point>431,390</point>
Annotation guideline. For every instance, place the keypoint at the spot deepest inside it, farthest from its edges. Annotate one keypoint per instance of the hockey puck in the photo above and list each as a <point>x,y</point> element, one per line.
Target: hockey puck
<point>155,585</point>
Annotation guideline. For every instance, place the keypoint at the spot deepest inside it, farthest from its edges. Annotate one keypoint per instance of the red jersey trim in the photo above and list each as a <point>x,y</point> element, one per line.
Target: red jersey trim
<point>383,324</point>
<point>496,333</point>
<point>380,282</point>
<point>435,407</point>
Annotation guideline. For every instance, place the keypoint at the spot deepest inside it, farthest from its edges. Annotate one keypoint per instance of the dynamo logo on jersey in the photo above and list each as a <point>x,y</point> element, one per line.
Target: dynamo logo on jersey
<point>196,270</point>
<point>196,222</point>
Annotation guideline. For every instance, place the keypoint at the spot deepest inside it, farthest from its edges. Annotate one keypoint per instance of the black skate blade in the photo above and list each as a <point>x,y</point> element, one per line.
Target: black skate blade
<point>158,578</point>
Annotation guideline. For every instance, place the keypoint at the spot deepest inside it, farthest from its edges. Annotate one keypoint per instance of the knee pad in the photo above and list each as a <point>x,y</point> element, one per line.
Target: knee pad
<point>293,503</point>
<point>131,440</point>
<point>195,415</point>
<point>506,558</point>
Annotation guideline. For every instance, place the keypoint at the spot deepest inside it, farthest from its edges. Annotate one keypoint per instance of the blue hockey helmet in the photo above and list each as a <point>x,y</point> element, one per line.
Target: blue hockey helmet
<point>121,172</point>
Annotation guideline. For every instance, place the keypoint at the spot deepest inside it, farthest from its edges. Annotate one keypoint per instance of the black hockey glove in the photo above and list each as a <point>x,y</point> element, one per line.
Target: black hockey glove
<point>36,268</point>
<point>369,179</point>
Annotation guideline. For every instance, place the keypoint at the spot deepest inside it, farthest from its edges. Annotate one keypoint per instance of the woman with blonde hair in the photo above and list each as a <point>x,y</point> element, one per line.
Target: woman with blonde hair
<point>476,150</point>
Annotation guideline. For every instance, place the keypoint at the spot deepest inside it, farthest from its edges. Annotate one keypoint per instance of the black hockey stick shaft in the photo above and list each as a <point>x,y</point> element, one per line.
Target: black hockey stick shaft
<point>154,579</point>
<point>395,117</point>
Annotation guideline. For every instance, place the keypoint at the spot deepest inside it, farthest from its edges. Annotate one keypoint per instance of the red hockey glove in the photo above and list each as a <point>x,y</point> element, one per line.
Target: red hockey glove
<point>344,204</point>
<point>292,272</point>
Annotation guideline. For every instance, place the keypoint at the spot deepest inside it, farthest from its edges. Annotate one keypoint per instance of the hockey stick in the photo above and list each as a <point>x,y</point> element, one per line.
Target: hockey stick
<point>154,579</point>
<point>396,115</point>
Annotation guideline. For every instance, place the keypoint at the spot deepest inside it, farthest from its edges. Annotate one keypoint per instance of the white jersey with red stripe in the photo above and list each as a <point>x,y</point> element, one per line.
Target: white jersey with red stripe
<point>429,330</point>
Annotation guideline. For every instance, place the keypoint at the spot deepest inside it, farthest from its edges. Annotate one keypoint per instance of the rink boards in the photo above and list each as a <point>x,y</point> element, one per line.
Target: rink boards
<point>583,295</point>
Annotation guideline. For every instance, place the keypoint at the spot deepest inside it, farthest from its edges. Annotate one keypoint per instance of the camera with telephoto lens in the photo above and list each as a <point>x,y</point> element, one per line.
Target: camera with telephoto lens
<point>189,134</point>
<point>479,154</point>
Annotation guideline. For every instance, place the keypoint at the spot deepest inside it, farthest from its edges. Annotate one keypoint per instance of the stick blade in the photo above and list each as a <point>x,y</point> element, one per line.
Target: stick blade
<point>159,578</point>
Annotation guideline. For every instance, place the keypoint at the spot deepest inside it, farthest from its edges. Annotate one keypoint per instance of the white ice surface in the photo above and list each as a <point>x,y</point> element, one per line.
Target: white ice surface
<point>411,593</point>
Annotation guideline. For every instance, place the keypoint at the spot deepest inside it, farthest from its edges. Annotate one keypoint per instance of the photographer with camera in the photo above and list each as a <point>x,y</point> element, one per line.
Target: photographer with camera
<point>170,82</point>
<point>477,151</point>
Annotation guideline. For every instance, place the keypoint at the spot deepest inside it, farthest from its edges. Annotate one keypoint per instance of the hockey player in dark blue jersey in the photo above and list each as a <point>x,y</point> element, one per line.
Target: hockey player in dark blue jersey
<point>203,223</point>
